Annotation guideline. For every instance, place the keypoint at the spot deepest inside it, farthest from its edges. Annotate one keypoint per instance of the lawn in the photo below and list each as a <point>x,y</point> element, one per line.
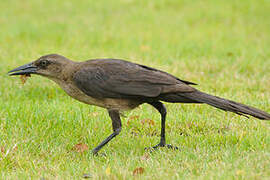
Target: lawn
<point>221,45</point>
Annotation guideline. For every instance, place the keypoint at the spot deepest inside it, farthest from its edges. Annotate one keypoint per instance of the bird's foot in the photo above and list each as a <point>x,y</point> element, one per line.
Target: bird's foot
<point>169,146</point>
<point>97,153</point>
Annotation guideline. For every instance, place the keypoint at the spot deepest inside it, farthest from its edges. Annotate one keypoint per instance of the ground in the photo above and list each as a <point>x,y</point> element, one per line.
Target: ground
<point>221,45</point>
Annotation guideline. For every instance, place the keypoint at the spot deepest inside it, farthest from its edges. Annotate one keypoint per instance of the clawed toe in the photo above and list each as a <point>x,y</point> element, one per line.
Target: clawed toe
<point>169,146</point>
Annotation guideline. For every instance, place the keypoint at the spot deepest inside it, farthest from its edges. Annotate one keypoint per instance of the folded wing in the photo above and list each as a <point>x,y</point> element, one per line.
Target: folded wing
<point>111,78</point>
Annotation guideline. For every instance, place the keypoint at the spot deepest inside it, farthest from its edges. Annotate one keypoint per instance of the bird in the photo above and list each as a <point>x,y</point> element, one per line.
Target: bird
<point>119,85</point>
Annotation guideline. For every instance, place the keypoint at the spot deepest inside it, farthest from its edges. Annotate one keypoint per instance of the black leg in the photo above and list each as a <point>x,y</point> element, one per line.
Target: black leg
<point>163,112</point>
<point>116,124</point>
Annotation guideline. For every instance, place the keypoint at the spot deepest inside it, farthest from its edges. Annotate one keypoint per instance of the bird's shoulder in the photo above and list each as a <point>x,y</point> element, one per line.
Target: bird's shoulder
<point>110,65</point>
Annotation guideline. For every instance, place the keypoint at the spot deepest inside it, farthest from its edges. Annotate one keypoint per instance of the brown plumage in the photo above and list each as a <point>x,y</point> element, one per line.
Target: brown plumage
<point>119,85</point>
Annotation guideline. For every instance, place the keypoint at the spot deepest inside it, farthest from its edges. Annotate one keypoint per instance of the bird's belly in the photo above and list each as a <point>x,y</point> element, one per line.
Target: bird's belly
<point>108,103</point>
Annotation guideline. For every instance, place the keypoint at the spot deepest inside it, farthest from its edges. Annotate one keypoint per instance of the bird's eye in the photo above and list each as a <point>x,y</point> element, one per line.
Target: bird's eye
<point>44,63</point>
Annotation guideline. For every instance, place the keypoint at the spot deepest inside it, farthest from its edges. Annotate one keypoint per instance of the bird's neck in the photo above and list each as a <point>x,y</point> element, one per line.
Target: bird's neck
<point>66,74</point>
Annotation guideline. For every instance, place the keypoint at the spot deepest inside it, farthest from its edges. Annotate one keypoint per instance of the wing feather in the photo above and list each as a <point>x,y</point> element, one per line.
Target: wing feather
<point>122,79</point>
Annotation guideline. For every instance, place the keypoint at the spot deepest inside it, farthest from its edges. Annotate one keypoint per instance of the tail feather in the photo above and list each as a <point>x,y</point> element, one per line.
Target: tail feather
<point>226,105</point>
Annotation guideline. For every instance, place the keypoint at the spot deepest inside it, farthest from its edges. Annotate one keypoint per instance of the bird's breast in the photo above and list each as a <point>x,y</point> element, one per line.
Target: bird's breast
<point>108,103</point>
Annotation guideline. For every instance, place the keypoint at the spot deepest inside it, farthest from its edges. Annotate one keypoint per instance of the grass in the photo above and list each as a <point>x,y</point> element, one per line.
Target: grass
<point>221,45</point>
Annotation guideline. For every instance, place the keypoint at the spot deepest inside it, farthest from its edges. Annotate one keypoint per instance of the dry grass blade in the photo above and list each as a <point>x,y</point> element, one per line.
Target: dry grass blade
<point>138,171</point>
<point>80,148</point>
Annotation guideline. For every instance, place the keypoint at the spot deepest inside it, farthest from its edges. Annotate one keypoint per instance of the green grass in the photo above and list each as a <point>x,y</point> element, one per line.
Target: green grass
<point>221,45</point>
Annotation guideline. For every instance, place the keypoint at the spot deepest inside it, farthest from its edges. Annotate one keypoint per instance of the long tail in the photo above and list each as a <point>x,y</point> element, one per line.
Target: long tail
<point>225,104</point>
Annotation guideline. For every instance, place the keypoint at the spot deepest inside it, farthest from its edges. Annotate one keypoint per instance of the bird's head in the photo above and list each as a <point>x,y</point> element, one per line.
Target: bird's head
<point>50,66</point>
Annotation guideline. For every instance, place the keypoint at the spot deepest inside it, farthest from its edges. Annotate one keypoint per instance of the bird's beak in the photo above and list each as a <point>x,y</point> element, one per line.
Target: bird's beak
<point>26,69</point>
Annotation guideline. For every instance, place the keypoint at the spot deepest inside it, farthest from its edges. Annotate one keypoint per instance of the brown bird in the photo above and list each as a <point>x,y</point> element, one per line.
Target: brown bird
<point>119,85</point>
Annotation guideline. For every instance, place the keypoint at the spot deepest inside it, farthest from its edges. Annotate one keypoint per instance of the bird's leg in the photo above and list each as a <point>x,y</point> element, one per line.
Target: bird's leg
<point>163,112</point>
<point>116,124</point>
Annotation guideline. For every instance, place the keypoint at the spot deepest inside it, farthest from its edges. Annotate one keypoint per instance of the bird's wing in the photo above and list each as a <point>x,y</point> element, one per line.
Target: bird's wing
<point>122,79</point>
